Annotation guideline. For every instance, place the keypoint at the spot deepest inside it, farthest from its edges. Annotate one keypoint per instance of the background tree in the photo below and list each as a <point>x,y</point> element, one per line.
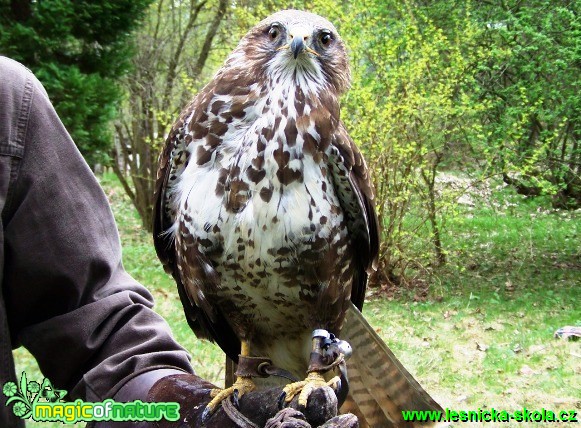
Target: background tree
<point>410,108</point>
<point>532,84</point>
<point>78,49</point>
<point>173,46</point>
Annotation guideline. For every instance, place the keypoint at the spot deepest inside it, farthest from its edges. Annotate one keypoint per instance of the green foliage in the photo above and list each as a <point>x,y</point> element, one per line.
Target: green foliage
<point>482,87</point>
<point>531,81</point>
<point>78,49</point>
<point>408,108</point>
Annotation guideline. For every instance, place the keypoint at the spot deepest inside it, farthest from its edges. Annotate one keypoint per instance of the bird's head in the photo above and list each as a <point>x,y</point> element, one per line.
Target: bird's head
<point>298,45</point>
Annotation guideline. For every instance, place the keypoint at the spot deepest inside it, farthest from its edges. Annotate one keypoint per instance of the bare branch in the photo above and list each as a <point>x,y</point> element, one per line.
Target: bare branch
<point>175,58</point>
<point>212,31</point>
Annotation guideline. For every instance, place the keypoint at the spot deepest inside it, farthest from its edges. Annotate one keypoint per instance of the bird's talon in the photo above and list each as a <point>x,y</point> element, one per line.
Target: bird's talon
<point>292,389</point>
<point>206,414</point>
<point>235,399</point>
<point>304,395</point>
<point>335,383</point>
<point>306,387</point>
<point>282,401</point>
<point>240,387</point>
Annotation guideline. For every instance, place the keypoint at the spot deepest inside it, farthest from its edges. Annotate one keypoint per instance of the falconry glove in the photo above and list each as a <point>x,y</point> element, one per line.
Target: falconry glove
<point>256,409</point>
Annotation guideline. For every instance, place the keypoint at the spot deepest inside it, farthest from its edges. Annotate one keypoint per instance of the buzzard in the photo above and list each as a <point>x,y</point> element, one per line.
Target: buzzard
<point>265,217</point>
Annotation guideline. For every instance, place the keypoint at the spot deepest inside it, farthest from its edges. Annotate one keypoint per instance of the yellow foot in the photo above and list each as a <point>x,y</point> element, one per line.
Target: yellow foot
<point>313,381</point>
<point>240,387</point>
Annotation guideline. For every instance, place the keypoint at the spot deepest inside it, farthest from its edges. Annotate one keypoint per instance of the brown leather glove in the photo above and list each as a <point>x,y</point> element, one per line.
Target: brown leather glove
<point>291,418</point>
<point>257,409</point>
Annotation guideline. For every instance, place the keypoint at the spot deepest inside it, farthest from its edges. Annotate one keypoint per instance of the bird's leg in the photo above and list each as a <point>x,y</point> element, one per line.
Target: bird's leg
<point>327,353</point>
<point>241,386</point>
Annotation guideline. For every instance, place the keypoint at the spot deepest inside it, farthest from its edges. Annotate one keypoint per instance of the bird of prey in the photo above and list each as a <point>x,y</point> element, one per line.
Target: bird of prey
<point>264,215</point>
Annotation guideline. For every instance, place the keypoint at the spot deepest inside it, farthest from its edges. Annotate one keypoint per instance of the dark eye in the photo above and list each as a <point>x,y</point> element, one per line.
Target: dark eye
<point>274,32</point>
<point>326,38</point>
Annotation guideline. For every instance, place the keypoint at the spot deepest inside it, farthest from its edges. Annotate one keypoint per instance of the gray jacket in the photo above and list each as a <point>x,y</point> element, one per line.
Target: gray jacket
<point>64,294</point>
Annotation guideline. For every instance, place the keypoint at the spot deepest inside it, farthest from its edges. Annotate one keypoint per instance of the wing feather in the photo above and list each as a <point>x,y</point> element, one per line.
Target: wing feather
<point>355,190</point>
<point>206,321</point>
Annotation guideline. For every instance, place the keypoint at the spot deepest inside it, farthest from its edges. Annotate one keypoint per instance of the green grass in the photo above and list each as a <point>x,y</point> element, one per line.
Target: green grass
<point>513,277</point>
<point>484,336</point>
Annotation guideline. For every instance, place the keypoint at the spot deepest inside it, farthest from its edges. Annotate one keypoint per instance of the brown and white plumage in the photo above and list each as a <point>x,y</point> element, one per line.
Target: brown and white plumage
<point>264,207</point>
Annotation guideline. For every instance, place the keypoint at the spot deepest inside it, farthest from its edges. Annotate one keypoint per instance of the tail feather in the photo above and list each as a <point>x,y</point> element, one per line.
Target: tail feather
<point>378,380</point>
<point>367,411</point>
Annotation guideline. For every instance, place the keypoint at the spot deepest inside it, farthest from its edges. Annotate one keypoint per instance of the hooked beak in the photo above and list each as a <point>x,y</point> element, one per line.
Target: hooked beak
<point>298,43</point>
<point>297,46</point>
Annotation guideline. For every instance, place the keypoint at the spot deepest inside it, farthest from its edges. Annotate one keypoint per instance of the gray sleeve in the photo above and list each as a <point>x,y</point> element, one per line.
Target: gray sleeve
<point>69,301</point>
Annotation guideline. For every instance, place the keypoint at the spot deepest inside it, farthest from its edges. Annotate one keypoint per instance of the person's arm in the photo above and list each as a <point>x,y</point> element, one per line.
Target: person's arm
<point>69,301</point>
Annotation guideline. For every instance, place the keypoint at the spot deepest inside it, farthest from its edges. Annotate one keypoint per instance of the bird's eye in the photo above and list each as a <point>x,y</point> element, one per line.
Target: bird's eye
<point>326,38</point>
<point>273,32</point>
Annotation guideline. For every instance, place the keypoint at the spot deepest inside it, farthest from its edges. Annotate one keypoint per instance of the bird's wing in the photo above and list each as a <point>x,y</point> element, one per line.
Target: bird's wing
<point>205,321</point>
<point>355,191</point>
<point>379,385</point>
